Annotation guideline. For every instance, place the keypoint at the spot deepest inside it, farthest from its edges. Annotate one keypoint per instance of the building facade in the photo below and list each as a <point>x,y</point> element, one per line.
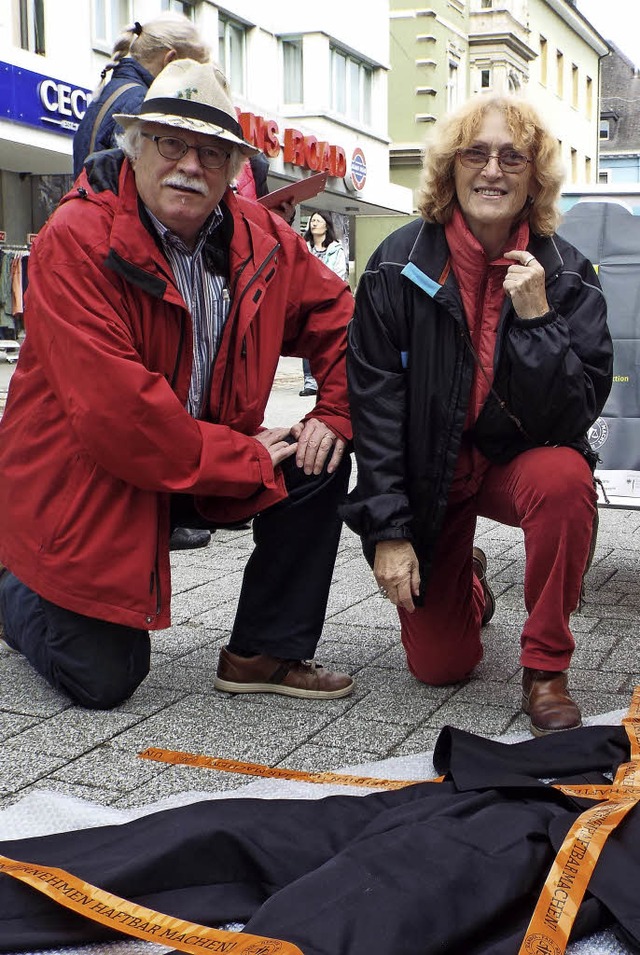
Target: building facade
<point>310,88</point>
<point>619,120</point>
<point>451,49</point>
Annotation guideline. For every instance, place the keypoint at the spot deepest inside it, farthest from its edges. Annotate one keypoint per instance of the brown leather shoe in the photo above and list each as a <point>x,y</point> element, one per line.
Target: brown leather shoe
<point>545,697</point>
<point>480,570</point>
<point>263,674</point>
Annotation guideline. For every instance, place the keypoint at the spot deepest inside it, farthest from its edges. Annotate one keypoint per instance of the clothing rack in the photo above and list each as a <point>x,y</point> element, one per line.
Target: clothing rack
<point>13,280</point>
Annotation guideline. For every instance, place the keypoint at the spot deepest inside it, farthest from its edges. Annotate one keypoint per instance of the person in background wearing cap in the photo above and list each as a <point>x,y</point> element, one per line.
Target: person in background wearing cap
<point>479,356</point>
<point>159,304</point>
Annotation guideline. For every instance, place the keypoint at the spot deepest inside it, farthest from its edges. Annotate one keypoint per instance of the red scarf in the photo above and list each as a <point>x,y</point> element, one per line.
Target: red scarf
<point>480,282</point>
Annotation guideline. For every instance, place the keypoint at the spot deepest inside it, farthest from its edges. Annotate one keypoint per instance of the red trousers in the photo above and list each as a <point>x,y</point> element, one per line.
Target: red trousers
<point>549,493</point>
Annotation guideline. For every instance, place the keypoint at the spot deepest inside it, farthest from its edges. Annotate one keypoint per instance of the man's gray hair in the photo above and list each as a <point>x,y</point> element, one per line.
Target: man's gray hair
<point>130,142</point>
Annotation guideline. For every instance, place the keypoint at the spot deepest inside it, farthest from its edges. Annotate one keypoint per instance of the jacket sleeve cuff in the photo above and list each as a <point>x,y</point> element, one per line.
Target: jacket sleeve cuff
<point>545,319</point>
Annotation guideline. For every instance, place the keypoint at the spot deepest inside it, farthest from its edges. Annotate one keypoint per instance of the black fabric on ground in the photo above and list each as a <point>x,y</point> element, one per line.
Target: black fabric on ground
<point>426,869</point>
<point>474,761</point>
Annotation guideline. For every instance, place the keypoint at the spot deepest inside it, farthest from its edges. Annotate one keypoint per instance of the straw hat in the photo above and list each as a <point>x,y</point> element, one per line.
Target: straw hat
<point>188,95</point>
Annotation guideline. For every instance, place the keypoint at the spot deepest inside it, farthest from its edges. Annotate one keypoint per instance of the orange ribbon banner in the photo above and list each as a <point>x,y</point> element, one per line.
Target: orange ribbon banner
<point>555,912</point>
<point>178,758</point>
<point>136,920</point>
<point>566,884</point>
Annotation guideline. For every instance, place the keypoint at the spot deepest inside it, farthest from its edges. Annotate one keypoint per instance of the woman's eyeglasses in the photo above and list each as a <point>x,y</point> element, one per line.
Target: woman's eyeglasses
<point>170,147</point>
<point>509,160</point>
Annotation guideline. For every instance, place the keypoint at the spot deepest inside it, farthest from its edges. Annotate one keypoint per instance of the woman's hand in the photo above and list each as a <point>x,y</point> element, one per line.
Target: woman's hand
<point>525,285</point>
<point>397,572</point>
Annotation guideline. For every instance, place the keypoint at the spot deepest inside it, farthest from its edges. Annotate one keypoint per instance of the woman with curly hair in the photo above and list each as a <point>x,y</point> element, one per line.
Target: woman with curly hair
<point>479,356</point>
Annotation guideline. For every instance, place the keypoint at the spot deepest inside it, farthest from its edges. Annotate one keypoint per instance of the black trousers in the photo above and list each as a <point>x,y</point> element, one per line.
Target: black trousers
<point>96,663</point>
<point>280,612</point>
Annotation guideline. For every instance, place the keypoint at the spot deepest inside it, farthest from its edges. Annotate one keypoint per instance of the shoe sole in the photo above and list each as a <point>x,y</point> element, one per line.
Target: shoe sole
<point>538,731</point>
<point>228,687</point>
<point>190,546</point>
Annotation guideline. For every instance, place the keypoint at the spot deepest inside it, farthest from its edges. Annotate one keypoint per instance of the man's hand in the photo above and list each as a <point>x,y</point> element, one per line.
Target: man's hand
<point>316,443</point>
<point>274,441</point>
<point>397,572</point>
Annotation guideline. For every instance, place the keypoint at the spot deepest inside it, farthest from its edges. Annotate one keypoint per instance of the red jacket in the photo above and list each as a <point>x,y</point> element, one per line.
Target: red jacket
<point>95,436</point>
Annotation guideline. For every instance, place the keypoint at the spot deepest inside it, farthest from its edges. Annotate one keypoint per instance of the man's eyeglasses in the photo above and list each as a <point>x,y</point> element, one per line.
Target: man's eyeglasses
<point>170,147</point>
<point>509,160</point>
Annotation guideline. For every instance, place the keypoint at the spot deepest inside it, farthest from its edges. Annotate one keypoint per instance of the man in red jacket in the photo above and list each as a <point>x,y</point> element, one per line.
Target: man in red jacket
<point>158,306</point>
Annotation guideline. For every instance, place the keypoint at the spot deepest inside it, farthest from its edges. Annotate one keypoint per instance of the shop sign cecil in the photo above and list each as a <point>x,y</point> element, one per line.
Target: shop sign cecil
<point>297,148</point>
<point>42,101</point>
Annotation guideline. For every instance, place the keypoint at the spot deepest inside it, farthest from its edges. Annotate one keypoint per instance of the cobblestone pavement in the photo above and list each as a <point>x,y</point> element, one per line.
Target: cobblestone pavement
<point>47,744</point>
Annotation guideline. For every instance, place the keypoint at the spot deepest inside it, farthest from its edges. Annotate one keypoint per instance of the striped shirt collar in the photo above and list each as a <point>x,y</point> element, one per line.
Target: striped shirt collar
<point>166,235</point>
<point>207,298</point>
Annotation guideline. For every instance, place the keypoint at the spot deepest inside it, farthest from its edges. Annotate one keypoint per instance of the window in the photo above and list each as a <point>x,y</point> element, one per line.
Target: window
<point>452,86</point>
<point>544,63</point>
<point>604,129</point>
<point>338,81</point>
<point>350,87</point>
<point>486,4</point>
<point>292,70</point>
<point>485,79</point>
<point>560,73</point>
<point>603,176</point>
<point>589,97</point>
<point>587,169</point>
<point>574,165</point>
<point>32,25</point>
<point>574,85</point>
<point>231,55</point>
<point>110,17</point>
<point>179,6</point>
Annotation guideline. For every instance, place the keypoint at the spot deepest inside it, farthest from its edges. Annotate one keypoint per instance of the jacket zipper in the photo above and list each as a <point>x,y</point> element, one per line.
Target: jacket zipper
<point>235,308</point>
<point>176,366</point>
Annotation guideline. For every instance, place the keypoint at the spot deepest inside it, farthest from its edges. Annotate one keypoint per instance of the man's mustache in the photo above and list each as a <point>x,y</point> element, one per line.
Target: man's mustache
<point>181,181</point>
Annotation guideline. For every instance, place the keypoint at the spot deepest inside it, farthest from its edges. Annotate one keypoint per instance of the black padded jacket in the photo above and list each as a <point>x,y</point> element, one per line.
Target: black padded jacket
<point>411,367</point>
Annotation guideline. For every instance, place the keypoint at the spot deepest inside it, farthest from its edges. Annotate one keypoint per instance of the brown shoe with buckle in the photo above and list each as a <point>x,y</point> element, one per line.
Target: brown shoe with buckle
<point>262,674</point>
<point>480,570</point>
<point>546,699</point>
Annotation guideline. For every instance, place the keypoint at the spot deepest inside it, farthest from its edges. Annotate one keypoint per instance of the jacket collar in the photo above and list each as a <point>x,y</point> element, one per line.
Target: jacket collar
<point>126,70</point>
<point>134,249</point>
<point>428,261</point>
